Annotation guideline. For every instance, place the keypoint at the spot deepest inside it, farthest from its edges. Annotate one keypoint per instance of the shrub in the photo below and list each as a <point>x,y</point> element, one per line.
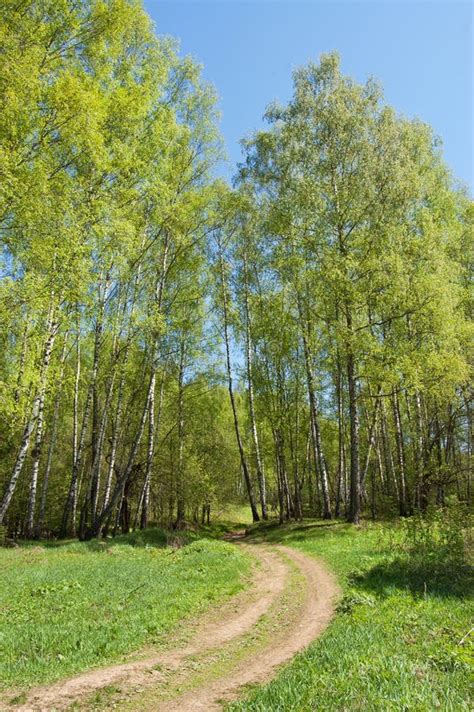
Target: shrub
<point>441,536</point>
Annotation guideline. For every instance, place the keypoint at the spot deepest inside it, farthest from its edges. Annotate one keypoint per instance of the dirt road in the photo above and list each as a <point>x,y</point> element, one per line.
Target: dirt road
<point>289,603</point>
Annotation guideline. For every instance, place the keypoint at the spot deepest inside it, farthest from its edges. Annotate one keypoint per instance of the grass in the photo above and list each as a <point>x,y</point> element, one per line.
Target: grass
<point>395,642</point>
<point>399,641</point>
<point>75,606</point>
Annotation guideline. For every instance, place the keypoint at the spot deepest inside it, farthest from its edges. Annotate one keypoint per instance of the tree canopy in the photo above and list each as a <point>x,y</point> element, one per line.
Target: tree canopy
<point>327,291</point>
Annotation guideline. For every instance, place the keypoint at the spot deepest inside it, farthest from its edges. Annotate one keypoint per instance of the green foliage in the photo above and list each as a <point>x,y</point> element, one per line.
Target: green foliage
<point>440,538</point>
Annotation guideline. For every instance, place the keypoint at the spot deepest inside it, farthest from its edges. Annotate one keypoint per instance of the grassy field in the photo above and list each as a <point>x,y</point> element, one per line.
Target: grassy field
<point>400,639</point>
<point>67,608</point>
<point>395,643</point>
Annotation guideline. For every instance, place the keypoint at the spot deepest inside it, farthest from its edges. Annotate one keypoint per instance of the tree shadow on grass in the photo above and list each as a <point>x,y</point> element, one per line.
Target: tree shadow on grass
<point>153,536</point>
<point>274,532</point>
<point>439,575</point>
<point>444,579</point>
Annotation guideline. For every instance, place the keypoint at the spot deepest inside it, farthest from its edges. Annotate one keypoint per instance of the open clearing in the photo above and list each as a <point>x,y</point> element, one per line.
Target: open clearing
<point>292,596</point>
<point>401,637</point>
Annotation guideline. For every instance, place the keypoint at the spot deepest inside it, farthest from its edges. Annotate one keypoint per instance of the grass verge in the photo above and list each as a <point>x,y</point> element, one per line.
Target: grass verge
<point>399,640</point>
<point>68,608</point>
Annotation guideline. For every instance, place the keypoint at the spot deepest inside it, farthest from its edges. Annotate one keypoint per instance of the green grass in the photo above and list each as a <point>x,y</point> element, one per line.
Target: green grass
<point>68,608</point>
<point>395,643</point>
<point>236,515</point>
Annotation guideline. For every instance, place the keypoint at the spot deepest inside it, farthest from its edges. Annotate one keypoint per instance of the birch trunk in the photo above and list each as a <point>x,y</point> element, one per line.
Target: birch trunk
<point>70,508</point>
<point>354,502</point>
<point>253,419</point>
<point>114,444</point>
<point>371,440</point>
<point>153,431</point>
<point>21,369</point>
<point>37,406</point>
<point>96,465</point>
<point>36,453</point>
<point>341,495</point>
<point>400,454</point>
<point>280,488</point>
<point>52,442</point>
<point>180,498</point>
<point>316,432</point>
<point>98,424</point>
<point>388,455</point>
<point>422,481</point>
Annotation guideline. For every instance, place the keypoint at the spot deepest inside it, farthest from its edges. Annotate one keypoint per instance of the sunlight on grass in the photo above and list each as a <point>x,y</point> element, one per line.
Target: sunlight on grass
<point>395,641</point>
<point>73,607</point>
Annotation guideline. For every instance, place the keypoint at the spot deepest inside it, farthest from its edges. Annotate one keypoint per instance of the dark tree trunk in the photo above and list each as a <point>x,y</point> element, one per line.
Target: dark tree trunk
<point>243,459</point>
<point>354,501</point>
<point>319,458</point>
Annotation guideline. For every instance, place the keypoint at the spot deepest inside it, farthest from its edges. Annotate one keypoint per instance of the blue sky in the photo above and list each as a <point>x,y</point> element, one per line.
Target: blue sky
<point>420,51</point>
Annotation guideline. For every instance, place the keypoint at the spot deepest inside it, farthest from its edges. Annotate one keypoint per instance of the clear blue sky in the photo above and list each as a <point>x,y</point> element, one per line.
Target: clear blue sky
<point>420,51</point>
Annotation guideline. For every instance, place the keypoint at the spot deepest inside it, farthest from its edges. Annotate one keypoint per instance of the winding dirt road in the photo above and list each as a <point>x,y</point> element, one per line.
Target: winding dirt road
<point>289,603</point>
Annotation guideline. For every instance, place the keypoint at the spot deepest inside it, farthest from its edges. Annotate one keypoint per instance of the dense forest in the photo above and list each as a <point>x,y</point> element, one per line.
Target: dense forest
<point>170,343</point>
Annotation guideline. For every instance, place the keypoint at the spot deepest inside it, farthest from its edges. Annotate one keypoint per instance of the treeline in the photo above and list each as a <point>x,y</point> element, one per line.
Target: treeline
<point>108,390</point>
<point>326,293</point>
<point>354,255</point>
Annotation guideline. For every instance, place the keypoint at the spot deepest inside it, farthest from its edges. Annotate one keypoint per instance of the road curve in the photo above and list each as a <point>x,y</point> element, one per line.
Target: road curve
<point>215,630</point>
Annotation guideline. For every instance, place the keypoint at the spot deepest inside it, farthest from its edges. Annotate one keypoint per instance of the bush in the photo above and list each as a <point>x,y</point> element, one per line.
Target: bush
<point>441,536</point>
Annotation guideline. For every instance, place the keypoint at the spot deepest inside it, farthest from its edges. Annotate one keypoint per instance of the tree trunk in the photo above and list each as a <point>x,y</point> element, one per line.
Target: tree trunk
<point>37,407</point>
<point>308,475</point>
<point>243,459</point>
<point>288,504</point>
<point>316,433</point>
<point>371,440</point>
<point>400,454</point>
<point>36,454</point>
<point>469,438</point>
<point>21,369</point>
<point>422,482</point>
<point>341,493</point>
<point>73,493</point>
<point>52,442</point>
<point>114,443</point>
<point>280,488</point>
<point>380,466</point>
<point>388,456</point>
<point>153,431</point>
<point>180,498</point>
<point>253,420</point>
<point>98,424</point>
<point>297,484</point>
<point>354,501</point>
